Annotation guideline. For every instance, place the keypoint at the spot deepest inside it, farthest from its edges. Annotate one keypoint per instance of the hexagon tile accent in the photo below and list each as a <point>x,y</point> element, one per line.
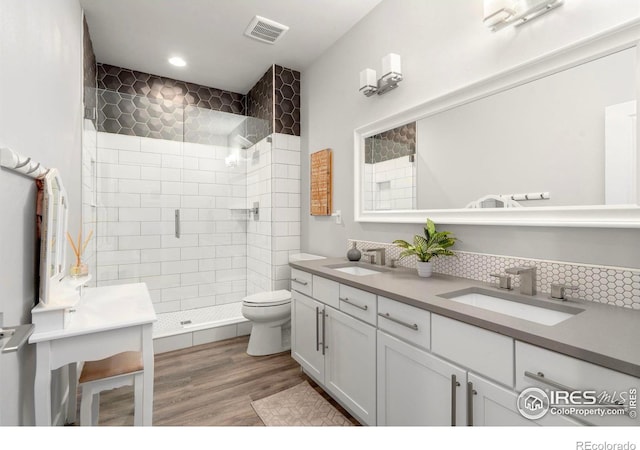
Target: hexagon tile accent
<point>287,101</point>
<point>89,74</point>
<point>260,106</point>
<point>140,104</point>
<point>610,285</point>
<point>392,144</point>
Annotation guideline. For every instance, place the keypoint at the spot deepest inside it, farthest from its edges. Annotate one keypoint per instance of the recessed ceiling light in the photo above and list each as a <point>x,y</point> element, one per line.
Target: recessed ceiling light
<point>177,61</point>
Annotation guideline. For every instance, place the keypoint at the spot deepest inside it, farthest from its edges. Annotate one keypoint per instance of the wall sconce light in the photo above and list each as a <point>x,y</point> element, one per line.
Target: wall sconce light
<point>502,13</point>
<point>392,70</point>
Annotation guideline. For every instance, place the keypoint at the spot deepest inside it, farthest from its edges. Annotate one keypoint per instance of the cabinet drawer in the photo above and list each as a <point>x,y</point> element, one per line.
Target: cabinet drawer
<point>358,303</point>
<point>326,291</point>
<point>574,374</point>
<point>482,351</point>
<point>301,281</point>
<point>406,322</point>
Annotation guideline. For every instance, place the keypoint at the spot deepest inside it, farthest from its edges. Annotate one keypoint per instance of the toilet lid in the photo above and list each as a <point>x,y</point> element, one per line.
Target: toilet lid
<point>269,298</point>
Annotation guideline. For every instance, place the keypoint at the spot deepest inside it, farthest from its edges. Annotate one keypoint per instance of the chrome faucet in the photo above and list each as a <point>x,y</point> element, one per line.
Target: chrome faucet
<point>527,278</point>
<point>379,255</point>
<point>558,291</point>
<point>504,281</point>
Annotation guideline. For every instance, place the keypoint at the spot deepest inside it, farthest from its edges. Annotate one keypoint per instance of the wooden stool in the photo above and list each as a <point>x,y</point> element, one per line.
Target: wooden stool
<point>123,369</point>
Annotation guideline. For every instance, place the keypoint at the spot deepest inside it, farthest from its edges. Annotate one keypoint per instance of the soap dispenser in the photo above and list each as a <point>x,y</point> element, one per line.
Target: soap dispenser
<point>354,254</point>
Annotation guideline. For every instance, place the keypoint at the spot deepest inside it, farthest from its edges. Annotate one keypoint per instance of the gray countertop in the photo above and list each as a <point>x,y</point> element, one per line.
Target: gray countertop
<point>602,334</point>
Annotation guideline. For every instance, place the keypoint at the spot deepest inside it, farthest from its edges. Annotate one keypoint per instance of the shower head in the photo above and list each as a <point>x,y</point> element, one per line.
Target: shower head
<point>243,142</point>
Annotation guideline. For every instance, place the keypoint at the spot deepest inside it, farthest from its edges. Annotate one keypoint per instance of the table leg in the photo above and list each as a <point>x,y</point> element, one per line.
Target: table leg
<point>147,358</point>
<point>42,385</point>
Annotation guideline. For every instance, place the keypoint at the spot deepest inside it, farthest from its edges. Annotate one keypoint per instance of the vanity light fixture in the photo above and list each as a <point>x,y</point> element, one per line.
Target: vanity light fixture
<point>392,75</point>
<point>502,13</point>
<point>177,61</point>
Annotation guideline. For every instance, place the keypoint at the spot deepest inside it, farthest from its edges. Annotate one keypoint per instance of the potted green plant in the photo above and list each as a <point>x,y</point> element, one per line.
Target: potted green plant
<point>432,244</point>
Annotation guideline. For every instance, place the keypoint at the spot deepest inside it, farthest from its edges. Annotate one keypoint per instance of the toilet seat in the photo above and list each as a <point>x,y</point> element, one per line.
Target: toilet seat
<point>270,298</point>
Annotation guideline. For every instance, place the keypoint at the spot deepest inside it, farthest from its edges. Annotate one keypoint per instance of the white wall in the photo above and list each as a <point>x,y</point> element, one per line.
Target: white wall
<point>444,46</point>
<point>40,116</point>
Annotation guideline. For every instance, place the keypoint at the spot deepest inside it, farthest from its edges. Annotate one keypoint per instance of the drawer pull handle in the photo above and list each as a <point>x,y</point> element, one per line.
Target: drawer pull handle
<point>346,300</point>
<point>324,332</point>
<point>561,387</point>
<point>400,322</point>
<point>304,283</point>
<point>317,330</point>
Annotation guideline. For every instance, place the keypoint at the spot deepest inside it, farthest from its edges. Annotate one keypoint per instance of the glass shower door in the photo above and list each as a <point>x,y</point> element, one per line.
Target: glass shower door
<point>213,185</point>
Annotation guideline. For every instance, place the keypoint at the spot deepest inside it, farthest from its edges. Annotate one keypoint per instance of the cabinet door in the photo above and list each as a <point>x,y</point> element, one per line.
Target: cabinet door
<point>350,364</point>
<point>494,405</point>
<point>417,388</point>
<point>547,369</point>
<point>306,335</point>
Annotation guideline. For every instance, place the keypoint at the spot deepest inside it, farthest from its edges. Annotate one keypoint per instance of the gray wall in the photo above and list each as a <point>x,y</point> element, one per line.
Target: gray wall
<point>41,117</point>
<point>443,46</point>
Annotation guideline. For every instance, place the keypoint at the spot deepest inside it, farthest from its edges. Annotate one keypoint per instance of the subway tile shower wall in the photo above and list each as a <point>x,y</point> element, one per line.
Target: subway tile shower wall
<point>611,285</point>
<point>225,252</point>
<point>140,183</point>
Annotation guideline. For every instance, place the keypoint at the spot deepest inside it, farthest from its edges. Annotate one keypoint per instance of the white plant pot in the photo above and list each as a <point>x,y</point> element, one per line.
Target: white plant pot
<point>424,268</point>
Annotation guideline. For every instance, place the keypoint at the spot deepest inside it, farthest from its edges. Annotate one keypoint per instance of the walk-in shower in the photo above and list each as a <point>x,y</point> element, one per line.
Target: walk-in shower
<point>172,194</point>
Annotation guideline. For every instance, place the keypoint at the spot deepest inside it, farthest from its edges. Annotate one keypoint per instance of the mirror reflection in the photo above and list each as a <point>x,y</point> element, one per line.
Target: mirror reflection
<point>567,139</point>
<point>390,169</point>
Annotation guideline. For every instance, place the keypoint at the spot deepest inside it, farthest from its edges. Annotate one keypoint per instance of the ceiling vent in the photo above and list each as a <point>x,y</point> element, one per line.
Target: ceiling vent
<point>265,30</point>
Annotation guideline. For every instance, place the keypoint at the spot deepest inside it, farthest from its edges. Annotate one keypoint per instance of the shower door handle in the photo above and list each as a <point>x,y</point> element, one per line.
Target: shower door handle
<point>177,223</point>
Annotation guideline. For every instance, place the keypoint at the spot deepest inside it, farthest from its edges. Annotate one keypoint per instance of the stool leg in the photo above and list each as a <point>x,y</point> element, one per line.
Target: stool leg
<point>95,409</point>
<point>137,399</point>
<point>86,407</point>
<point>72,404</point>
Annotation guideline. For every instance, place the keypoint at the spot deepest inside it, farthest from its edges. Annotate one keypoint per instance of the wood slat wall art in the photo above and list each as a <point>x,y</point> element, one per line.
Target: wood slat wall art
<point>321,182</point>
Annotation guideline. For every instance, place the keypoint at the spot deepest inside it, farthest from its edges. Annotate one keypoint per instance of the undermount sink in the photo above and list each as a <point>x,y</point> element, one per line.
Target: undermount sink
<point>356,269</point>
<point>515,306</point>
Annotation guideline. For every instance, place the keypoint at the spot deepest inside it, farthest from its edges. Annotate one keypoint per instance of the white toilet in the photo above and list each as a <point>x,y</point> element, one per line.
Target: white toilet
<point>270,316</point>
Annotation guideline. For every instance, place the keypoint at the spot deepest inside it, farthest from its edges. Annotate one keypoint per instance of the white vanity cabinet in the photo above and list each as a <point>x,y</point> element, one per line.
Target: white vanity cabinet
<point>489,404</point>
<point>390,363</point>
<point>416,387</point>
<point>338,351</point>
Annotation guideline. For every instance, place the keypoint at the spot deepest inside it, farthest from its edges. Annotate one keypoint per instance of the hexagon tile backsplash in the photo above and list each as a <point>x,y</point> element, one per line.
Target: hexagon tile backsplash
<point>616,286</point>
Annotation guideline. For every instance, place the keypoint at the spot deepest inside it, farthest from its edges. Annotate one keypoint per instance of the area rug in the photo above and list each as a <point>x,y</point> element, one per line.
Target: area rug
<point>300,405</point>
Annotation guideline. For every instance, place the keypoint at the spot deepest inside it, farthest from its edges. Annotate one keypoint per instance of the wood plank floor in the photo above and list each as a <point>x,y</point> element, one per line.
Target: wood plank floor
<point>210,385</point>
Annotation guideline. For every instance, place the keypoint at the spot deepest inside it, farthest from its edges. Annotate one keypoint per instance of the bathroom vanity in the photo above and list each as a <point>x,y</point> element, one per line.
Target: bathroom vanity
<point>74,323</point>
<point>396,349</point>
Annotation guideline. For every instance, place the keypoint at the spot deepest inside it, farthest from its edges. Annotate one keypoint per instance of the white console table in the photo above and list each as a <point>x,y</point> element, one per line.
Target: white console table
<point>106,321</point>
